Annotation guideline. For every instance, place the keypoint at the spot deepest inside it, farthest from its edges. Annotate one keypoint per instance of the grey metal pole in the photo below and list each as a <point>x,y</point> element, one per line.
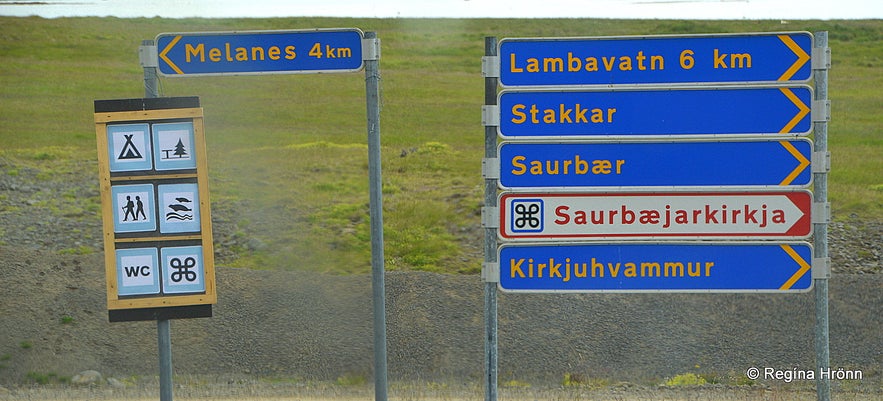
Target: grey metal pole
<point>163,326</point>
<point>490,238</point>
<point>151,87</point>
<point>164,342</point>
<point>372,92</point>
<point>820,231</point>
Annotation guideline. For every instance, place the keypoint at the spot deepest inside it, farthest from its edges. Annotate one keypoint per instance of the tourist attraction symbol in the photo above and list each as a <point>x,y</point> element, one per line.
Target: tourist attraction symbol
<point>182,270</point>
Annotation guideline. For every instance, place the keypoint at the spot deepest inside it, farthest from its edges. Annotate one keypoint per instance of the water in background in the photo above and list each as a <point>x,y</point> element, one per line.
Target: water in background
<point>654,9</point>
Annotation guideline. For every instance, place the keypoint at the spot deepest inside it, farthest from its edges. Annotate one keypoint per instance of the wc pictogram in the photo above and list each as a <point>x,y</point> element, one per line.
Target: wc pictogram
<point>137,271</point>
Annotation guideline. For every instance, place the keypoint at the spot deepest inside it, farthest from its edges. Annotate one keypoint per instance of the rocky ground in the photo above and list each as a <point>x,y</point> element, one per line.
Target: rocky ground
<point>302,328</point>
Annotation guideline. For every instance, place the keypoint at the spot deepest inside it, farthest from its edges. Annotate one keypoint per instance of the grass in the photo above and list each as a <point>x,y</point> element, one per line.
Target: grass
<point>287,154</point>
<point>46,378</point>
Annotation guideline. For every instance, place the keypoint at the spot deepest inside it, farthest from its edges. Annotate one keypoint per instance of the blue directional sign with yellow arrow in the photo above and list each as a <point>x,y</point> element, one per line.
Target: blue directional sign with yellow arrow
<point>260,52</point>
<point>674,111</point>
<point>657,267</point>
<point>746,57</point>
<point>722,163</point>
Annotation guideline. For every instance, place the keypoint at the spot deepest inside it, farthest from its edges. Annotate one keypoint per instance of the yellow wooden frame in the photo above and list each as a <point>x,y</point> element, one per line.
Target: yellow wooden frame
<point>110,240</point>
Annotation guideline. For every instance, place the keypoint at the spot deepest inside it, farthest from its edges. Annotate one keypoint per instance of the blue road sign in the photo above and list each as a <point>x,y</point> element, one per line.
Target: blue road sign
<point>656,267</point>
<point>260,52</point>
<point>751,57</point>
<point>684,111</point>
<point>752,163</point>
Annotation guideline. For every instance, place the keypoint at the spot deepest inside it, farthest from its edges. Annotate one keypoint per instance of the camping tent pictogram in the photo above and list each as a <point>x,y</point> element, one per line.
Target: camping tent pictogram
<point>129,150</point>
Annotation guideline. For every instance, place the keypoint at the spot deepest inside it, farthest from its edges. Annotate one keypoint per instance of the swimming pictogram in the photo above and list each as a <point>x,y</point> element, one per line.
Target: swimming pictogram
<point>179,210</point>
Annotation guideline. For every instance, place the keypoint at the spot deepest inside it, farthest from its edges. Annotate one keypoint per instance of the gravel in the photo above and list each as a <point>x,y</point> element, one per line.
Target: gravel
<point>312,326</point>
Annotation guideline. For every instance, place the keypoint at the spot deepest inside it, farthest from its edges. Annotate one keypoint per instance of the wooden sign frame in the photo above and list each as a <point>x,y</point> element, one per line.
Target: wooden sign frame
<point>162,303</point>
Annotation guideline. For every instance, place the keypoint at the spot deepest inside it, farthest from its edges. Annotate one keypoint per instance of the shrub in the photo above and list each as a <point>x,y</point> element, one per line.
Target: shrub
<point>685,379</point>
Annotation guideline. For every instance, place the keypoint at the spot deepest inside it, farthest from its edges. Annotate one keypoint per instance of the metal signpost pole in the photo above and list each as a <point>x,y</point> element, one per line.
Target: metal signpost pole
<point>820,229</point>
<point>164,342</point>
<point>151,87</point>
<point>163,326</point>
<point>372,92</point>
<point>332,51</point>
<point>490,235</point>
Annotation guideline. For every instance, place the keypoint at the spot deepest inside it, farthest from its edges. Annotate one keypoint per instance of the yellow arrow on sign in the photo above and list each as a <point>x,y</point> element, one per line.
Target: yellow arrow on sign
<point>804,267</point>
<point>803,162</point>
<point>802,57</point>
<point>802,110</point>
<point>165,51</point>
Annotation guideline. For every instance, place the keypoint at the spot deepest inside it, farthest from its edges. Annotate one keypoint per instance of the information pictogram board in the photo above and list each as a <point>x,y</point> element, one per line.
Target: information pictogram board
<point>155,203</point>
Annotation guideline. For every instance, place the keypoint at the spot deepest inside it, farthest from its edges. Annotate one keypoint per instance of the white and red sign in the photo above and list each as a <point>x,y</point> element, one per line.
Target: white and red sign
<point>695,215</point>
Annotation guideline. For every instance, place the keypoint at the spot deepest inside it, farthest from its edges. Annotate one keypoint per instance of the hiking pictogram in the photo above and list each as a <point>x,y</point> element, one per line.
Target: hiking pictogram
<point>135,207</point>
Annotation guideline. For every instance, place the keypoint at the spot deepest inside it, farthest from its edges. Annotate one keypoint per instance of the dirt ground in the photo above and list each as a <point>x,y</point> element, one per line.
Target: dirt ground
<point>705,394</point>
<point>247,388</point>
<point>290,335</point>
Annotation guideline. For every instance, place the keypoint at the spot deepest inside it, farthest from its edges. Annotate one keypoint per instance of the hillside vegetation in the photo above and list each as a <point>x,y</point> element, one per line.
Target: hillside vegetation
<point>287,153</point>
